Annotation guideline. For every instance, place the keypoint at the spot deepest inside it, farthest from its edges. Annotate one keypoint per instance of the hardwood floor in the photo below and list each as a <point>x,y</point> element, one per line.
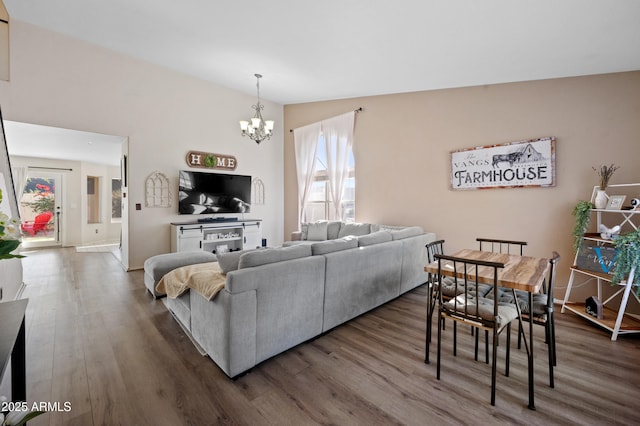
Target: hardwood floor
<point>97,340</point>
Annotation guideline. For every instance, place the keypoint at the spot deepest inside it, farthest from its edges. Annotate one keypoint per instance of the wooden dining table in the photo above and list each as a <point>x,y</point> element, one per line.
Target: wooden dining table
<point>519,273</point>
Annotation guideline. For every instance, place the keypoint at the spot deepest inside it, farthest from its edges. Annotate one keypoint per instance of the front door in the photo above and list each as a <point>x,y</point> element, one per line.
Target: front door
<point>40,209</point>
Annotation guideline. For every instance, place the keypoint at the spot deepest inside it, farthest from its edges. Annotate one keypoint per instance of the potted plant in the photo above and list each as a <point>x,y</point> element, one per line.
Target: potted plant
<point>582,212</point>
<point>9,235</point>
<point>627,257</point>
<point>604,173</point>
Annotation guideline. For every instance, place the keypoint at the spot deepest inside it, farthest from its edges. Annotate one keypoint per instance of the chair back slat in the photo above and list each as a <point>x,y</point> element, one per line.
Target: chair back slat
<point>433,248</point>
<point>501,246</point>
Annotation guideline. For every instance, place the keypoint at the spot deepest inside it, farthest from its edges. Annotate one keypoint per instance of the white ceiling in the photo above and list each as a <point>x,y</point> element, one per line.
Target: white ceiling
<point>31,140</point>
<point>319,50</point>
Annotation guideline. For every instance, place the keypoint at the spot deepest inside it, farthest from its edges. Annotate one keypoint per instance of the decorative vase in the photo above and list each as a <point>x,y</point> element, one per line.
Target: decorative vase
<point>601,199</point>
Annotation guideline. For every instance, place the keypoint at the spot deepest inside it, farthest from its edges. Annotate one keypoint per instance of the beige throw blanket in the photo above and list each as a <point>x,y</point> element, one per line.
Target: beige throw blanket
<point>205,278</point>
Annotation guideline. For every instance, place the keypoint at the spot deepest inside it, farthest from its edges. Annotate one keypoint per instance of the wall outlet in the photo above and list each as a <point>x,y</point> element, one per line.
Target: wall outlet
<point>96,231</point>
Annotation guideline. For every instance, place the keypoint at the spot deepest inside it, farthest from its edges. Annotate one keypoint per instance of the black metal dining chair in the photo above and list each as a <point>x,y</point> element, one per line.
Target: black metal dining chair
<point>433,248</point>
<point>469,307</point>
<point>497,245</point>
<point>543,311</point>
<point>542,302</point>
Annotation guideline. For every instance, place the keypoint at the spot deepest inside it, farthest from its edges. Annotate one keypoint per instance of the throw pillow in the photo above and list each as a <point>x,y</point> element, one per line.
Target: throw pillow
<point>304,231</point>
<point>317,231</point>
<point>355,229</point>
<point>229,261</point>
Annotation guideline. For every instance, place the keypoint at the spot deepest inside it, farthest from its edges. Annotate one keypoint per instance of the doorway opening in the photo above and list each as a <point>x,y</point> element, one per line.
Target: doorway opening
<point>72,211</point>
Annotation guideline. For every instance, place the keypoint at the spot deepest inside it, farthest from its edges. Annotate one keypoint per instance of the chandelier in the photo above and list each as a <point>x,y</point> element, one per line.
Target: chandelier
<point>257,128</point>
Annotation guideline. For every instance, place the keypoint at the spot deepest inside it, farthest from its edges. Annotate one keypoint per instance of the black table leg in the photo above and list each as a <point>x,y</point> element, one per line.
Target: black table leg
<point>532,405</point>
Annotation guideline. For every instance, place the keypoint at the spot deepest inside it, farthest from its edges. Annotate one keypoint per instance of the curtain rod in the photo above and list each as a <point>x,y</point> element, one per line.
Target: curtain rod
<point>355,110</point>
<point>50,168</point>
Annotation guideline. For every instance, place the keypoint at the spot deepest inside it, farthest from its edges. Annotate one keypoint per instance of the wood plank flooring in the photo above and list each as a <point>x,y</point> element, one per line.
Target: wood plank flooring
<point>96,339</point>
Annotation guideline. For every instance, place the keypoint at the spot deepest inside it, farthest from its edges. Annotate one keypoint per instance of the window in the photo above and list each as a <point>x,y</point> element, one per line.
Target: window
<point>116,200</point>
<point>320,204</point>
<point>326,169</point>
<point>93,199</point>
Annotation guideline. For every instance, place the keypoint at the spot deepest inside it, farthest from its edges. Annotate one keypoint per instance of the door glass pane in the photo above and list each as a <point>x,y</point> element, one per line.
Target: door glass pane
<point>37,209</point>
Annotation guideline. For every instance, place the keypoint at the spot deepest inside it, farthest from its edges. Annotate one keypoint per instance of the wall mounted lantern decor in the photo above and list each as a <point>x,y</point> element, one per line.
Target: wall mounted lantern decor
<point>256,128</point>
<point>257,191</point>
<point>157,192</point>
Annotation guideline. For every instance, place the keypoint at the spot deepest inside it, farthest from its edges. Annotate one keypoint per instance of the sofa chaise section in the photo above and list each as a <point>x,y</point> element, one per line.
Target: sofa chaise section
<point>263,311</point>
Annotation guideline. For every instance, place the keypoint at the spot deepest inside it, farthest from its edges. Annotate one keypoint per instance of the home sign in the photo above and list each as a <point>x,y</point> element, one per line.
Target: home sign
<point>209,160</point>
<point>510,165</point>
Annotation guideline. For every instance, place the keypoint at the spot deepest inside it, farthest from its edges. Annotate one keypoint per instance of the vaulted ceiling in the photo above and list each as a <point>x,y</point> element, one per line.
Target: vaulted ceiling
<point>319,50</point>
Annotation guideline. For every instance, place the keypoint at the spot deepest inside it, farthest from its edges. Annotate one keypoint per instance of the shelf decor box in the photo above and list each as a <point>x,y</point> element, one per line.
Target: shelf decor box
<point>597,258</point>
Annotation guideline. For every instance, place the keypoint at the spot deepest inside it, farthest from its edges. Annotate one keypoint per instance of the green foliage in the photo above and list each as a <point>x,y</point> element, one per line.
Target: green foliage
<point>45,203</point>
<point>6,247</point>
<point>582,212</point>
<point>628,256</point>
<point>210,160</point>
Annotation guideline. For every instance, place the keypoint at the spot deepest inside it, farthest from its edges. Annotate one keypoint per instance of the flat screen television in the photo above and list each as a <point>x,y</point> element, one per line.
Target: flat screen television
<point>210,193</point>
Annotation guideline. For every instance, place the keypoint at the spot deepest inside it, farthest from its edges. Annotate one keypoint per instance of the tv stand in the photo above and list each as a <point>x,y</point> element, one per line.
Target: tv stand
<point>216,236</point>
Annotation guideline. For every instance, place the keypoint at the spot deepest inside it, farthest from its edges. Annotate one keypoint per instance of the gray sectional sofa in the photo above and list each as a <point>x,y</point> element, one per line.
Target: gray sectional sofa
<point>277,298</point>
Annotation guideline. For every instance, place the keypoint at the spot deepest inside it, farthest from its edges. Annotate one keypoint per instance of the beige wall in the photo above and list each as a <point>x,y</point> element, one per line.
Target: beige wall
<point>62,82</point>
<point>403,141</point>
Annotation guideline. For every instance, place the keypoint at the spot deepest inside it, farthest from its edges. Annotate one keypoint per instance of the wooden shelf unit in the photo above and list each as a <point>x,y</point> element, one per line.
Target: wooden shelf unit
<point>617,321</point>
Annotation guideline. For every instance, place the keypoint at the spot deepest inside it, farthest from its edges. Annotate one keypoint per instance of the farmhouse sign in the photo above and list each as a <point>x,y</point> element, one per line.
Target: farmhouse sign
<point>510,165</point>
<point>209,160</point>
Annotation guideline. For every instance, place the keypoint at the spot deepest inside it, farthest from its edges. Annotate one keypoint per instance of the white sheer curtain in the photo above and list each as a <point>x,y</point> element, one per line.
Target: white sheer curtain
<point>306,147</point>
<point>19,174</point>
<point>338,138</point>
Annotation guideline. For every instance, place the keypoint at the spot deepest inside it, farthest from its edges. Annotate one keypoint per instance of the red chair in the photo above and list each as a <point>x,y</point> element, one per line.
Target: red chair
<point>37,225</point>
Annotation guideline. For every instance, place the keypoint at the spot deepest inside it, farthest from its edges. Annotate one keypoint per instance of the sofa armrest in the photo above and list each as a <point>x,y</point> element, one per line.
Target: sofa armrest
<point>225,327</point>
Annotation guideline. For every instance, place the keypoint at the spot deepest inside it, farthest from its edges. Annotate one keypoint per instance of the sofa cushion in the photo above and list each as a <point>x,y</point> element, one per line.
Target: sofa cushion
<point>374,238</point>
<point>157,266</point>
<point>410,231</point>
<point>229,261</point>
<point>272,255</point>
<point>355,229</point>
<point>317,231</point>
<point>329,246</point>
<point>333,229</point>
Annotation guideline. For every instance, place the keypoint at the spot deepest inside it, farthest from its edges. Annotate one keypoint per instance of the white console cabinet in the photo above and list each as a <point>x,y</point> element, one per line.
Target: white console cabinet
<point>216,236</point>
